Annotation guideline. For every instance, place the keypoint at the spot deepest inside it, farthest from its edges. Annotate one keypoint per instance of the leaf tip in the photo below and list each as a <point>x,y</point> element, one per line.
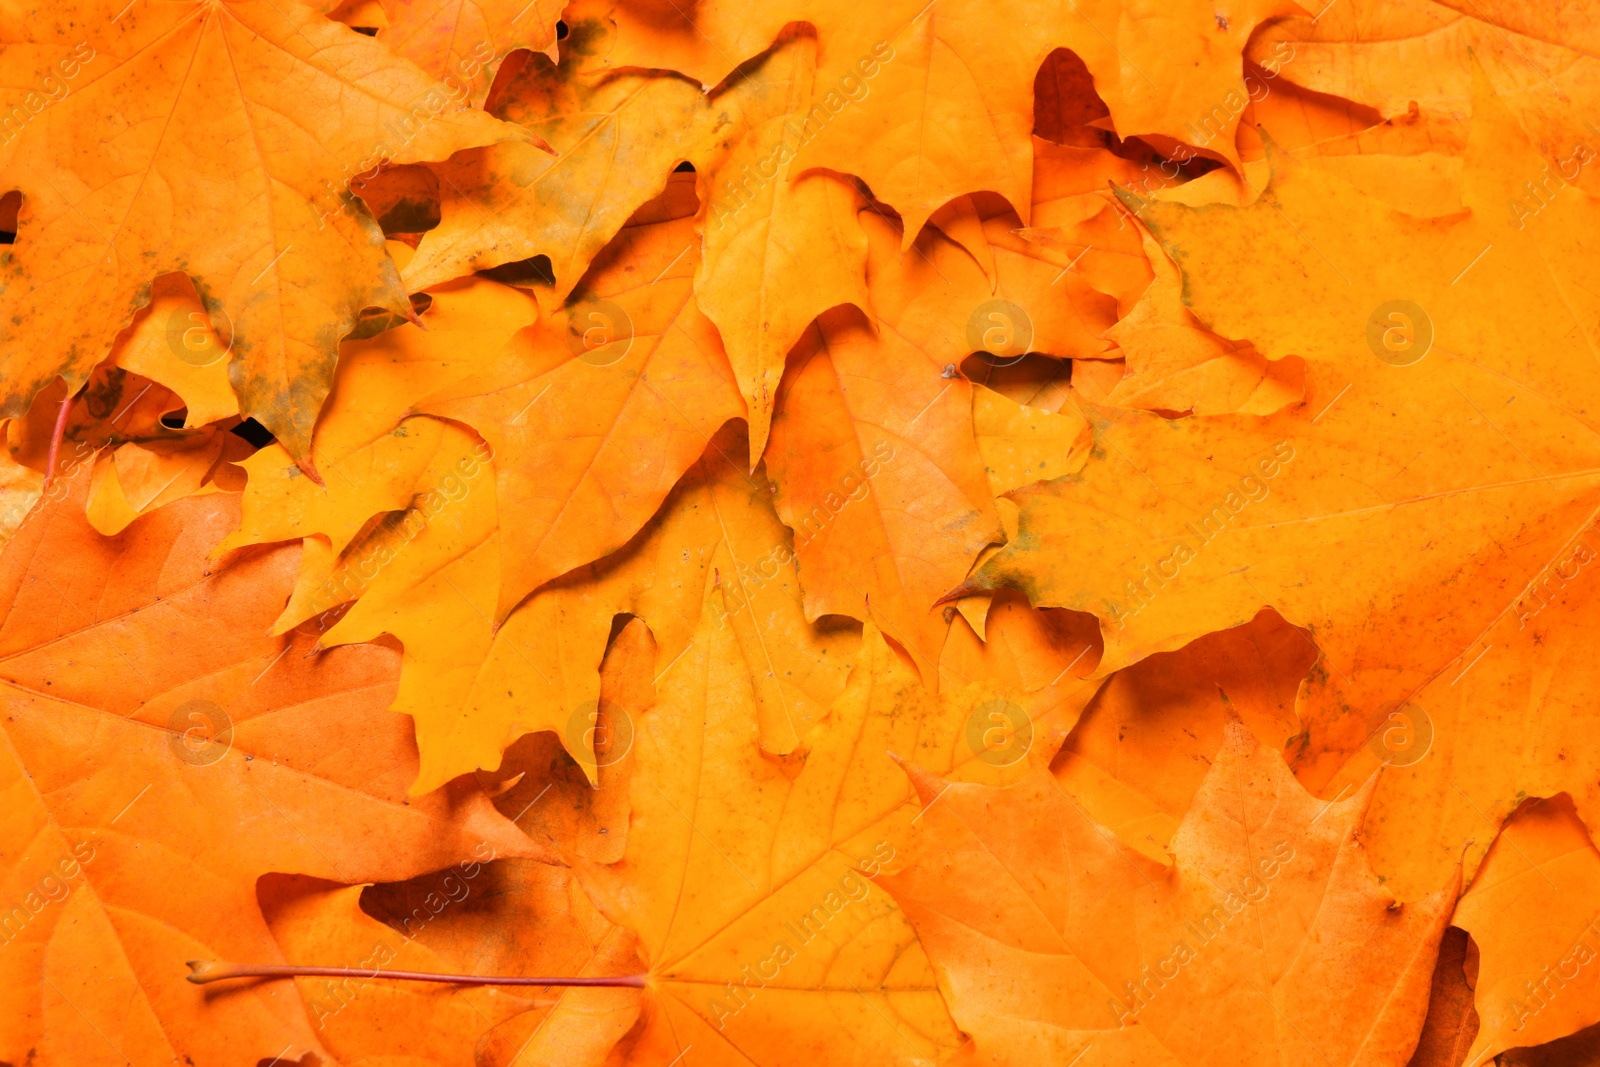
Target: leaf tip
<point>1130,199</point>
<point>928,785</point>
<point>308,468</point>
<point>967,588</point>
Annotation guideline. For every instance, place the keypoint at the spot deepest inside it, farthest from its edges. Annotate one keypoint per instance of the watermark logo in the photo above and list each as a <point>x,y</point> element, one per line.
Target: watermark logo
<point>1001,329</point>
<point>599,332</point>
<point>201,732</point>
<point>999,733</point>
<point>50,89</point>
<point>1541,192</point>
<point>53,888</point>
<point>1551,980</point>
<point>848,890</point>
<point>1400,734</point>
<point>602,725</point>
<point>1550,583</point>
<point>1399,332</point>
<point>191,339</point>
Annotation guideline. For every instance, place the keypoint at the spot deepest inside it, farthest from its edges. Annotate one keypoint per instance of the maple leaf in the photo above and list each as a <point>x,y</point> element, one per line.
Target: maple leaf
<point>198,750</point>
<point>1444,810</point>
<point>740,876</point>
<point>623,393</point>
<point>437,599</point>
<point>554,419</point>
<point>456,567</point>
<point>761,228</point>
<point>1053,940</point>
<point>879,477</point>
<point>505,918</point>
<point>115,195</point>
<point>1252,499</point>
<point>1063,398</point>
<point>871,419</point>
<point>926,107</point>
<point>439,596</point>
<point>375,466</point>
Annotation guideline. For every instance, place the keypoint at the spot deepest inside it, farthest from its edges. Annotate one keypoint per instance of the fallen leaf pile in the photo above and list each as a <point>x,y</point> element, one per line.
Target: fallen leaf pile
<point>546,533</point>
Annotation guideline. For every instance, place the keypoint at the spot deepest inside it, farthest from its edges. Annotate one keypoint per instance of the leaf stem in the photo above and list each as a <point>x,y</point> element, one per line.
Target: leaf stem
<point>204,971</point>
<point>56,435</point>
